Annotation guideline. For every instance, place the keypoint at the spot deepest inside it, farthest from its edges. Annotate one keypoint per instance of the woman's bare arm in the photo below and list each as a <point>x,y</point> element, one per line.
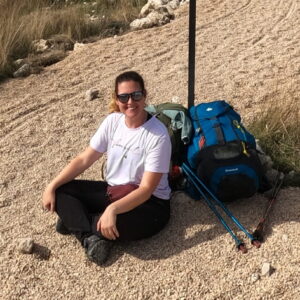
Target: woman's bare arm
<point>77,166</point>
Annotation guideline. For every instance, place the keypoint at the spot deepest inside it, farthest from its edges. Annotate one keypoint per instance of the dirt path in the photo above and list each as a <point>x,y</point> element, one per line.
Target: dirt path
<point>248,52</point>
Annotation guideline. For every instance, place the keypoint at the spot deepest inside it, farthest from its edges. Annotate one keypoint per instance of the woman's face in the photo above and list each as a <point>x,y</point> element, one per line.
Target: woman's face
<point>131,108</point>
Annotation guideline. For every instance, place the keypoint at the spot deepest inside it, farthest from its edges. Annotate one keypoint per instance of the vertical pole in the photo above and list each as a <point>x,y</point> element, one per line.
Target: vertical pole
<point>191,67</point>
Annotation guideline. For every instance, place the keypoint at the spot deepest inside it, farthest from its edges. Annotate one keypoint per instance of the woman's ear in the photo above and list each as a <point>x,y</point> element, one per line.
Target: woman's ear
<point>145,93</point>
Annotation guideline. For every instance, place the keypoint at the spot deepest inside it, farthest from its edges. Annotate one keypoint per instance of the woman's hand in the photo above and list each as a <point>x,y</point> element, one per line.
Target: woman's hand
<point>49,199</point>
<point>107,224</point>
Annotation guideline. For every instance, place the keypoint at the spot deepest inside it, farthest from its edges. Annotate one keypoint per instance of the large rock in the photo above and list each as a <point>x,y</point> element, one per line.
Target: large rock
<point>155,18</point>
<point>151,6</point>
<point>155,13</point>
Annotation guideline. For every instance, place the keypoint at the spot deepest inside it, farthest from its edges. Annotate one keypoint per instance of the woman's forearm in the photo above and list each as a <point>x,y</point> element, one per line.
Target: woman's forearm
<point>129,202</point>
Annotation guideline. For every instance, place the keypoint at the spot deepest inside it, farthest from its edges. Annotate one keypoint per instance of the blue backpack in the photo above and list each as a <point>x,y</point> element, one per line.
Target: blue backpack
<point>223,153</point>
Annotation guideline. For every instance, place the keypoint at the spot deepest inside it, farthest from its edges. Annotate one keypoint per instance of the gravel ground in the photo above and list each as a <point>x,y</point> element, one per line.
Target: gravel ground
<point>248,53</point>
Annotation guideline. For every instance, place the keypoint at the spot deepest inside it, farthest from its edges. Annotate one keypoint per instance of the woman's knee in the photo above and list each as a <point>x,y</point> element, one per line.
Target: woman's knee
<point>134,227</point>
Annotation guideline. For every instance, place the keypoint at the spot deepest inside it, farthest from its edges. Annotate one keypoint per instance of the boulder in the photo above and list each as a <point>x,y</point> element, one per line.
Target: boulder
<point>155,13</point>
<point>155,18</point>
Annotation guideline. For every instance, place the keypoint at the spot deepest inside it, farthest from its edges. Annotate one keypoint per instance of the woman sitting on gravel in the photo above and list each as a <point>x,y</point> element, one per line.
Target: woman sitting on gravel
<point>134,202</point>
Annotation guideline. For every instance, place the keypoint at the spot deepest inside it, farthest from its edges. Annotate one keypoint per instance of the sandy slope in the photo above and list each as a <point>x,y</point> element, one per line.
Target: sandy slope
<point>247,52</point>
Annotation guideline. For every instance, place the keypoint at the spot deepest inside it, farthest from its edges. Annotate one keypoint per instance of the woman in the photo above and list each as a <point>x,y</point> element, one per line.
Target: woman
<point>138,151</point>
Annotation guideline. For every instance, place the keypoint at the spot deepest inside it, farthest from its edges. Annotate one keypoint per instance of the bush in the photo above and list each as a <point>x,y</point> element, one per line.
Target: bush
<point>278,131</point>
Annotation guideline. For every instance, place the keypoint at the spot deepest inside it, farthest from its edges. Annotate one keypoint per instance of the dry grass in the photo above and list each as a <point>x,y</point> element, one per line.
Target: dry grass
<point>278,129</point>
<point>22,21</point>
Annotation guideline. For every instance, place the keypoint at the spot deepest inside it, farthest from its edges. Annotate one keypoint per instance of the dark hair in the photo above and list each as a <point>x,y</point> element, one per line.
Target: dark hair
<point>130,76</point>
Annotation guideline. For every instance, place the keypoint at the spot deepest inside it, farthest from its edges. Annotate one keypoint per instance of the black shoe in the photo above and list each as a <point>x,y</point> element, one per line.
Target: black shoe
<point>97,249</point>
<point>61,228</point>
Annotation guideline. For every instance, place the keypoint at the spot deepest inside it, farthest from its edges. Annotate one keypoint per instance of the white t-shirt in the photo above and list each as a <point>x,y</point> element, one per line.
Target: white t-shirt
<point>131,151</point>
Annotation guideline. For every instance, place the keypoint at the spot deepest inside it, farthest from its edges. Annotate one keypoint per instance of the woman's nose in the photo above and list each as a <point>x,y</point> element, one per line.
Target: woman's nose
<point>130,99</point>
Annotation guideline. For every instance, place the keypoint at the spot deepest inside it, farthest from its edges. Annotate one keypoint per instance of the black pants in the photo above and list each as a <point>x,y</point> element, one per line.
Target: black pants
<point>80,203</point>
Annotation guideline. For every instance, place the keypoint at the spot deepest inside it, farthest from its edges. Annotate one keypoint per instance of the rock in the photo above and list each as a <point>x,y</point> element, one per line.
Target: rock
<point>40,46</point>
<point>174,4</point>
<point>23,71</point>
<point>19,63</point>
<point>155,13</point>
<point>291,174</point>
<point>92,94</point>
<point>266,269</point>
<point>151,5</point>
<point>26,245</point>
<point>285,237</point>
<point>60,42</point>
<point>155,18</point>
<point>271,175</point>
<point>254,277</point>
<point>175,99</point>
<point>292,179</point>
<point>78,46</point>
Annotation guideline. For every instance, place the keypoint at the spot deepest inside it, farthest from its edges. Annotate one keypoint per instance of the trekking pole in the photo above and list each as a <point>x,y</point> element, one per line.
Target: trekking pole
<point>258,232</point>
<point>240,245</point>
<point>254,241</point>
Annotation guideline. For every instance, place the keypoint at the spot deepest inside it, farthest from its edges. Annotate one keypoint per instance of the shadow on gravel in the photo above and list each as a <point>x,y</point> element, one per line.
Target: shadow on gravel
<point>192,223</point>
<point>41,252</point>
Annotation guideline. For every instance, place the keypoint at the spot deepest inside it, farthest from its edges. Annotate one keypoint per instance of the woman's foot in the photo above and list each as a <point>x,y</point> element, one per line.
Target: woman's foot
<point>97,249</point>
<point>61,228</point>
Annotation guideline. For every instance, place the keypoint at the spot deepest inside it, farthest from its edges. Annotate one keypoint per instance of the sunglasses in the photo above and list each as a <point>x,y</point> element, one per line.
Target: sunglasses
<point>135,96</point>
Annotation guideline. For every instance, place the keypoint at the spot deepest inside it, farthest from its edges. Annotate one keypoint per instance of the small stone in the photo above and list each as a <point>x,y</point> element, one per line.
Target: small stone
<point>26,245</point>
<point>175,99</point>
<point>92,94</point>
<point>23,71</point>
<point>19,62</point>
<point>40,46</point>
<point>272,175</point>
<point>291,174</point>
<point>255,277</point>
<point>78,46</point>
<point>285,237</point>
<point>266,269</point>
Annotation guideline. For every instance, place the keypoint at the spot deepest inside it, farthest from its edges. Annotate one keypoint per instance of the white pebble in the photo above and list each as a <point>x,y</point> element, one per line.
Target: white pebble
<point>266,269</point>
<point>254,277</point>
<point>175,99</point>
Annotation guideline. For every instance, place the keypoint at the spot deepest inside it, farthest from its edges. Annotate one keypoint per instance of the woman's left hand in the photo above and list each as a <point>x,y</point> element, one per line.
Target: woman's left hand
<point>107,224</point>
